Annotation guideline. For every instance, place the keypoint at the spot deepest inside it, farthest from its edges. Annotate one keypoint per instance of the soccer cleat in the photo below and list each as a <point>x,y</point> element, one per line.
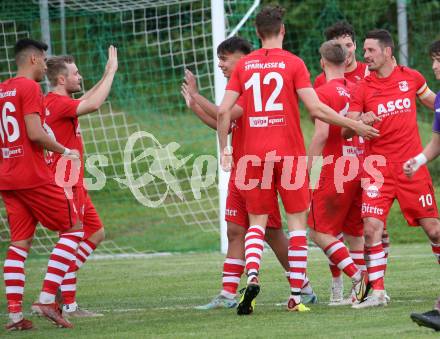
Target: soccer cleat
<point>343,302</point>
<point>81,313</point>
<point>337,291</point>
<point>247,301</point>
<point>292,306</point>
<point>376,299</point>
<point>219,301</point>
<point>309,298</point>
<point>21,325</point>
<point>360,289</point>
<point>429,319</point>
<point>53,313</point>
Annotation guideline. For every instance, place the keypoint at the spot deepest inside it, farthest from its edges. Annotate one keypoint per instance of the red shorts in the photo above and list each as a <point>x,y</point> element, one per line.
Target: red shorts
<point>333,213</point>
<point>292,184</point>
<point>47,204</point>
<point>86,212</point>
<point>415,195</point>
<point>236,208</point>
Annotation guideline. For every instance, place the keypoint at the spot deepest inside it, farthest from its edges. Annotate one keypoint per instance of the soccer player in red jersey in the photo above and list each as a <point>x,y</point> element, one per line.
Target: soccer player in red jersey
<point>28,188</point>
<point>62,113</point>
<point>229,52</point>
<point>336,202</point>
<point>388,95</point>
<point>344,33</point>
<point>271,80</point>
<point>432,150</point>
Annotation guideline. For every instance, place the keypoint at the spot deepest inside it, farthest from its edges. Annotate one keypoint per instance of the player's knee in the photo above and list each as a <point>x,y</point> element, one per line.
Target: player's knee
<point>432,229</point>
<point>235,233</point>
<point>26,243</point>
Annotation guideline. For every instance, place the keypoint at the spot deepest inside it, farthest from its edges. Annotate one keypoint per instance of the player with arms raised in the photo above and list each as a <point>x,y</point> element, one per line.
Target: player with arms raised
<point>62,120</point>
<point>271,80</point>
<point>389,96</point>
<point>28,188</point>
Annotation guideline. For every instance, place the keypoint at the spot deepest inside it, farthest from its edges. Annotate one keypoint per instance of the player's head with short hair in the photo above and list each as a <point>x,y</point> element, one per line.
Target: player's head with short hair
<point>31,54</point>
<point>62,71</point>
<point>434,52</point>
<point>343,33</point>
<point>378,48</point>
<point>269,22</point>
<point>230,51</point>
<point>334,53</point>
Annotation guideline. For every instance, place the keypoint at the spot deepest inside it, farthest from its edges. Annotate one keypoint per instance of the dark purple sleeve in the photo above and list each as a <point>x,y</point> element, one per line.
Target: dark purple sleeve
<point>436,124</point>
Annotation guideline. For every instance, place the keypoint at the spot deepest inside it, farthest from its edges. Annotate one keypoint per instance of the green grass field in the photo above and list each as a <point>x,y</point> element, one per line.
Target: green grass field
<point>154,298</point>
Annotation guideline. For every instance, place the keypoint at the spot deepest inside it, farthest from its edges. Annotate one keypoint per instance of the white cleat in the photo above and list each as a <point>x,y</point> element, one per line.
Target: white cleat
<point>343,302</point>
<point>376,299</point>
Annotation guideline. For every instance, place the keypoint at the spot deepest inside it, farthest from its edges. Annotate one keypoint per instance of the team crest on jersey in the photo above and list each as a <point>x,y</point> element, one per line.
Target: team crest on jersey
<point>372,191</point>
<point>403,86</point>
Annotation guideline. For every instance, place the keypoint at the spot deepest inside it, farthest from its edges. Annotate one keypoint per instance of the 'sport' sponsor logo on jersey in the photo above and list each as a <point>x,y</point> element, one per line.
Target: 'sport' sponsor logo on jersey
<point>372,191</point>
<point>277,120</point>
<point>394,105</point>
<point>12,152</point>
<point>367,208</point>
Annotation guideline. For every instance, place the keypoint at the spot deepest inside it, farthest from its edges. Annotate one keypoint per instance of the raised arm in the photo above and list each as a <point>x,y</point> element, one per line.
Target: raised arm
<point>197,109</point>
<point>95,97</point>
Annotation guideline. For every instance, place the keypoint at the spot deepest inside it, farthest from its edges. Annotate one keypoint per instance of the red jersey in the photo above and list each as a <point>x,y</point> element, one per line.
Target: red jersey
<point>22,163</point>
<point>268,79</point>
<point>64,126</point>
<point>393,99</point>
<point>360,72</point>
<point>336,94</point>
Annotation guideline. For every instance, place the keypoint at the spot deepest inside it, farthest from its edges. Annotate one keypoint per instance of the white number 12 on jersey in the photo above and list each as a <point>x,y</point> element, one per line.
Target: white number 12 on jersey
<point>255,83</point>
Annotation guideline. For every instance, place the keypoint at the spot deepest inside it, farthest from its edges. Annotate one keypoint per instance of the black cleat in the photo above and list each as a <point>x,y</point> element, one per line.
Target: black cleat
<point>429,319</point>
<point>247,301</point>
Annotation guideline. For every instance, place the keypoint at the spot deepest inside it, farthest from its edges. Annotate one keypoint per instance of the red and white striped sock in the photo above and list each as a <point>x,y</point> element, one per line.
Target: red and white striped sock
<point>297,262</point>
<point>376,263</point>
<point>254,245</point>
<point>335,271</point>
<point>59,262</point>
<point>68,286</point>
<point>436,251</point>
<point>359,260</point>
<point>386,247</point>
<point>232,271</point>
<point>338,254</point>
<point>306,287</point>
<point>14,276</point>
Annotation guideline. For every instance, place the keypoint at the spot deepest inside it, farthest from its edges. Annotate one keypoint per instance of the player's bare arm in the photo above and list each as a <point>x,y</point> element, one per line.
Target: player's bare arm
<point>197,109</point>
<point>368,118</point>
<point>321,111</point>
<point>207,106</point>
<point>223,124</point>
<point>317,144</point>
<point>94,98</point>
<point>427,99</point>
<point>38,135</point>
